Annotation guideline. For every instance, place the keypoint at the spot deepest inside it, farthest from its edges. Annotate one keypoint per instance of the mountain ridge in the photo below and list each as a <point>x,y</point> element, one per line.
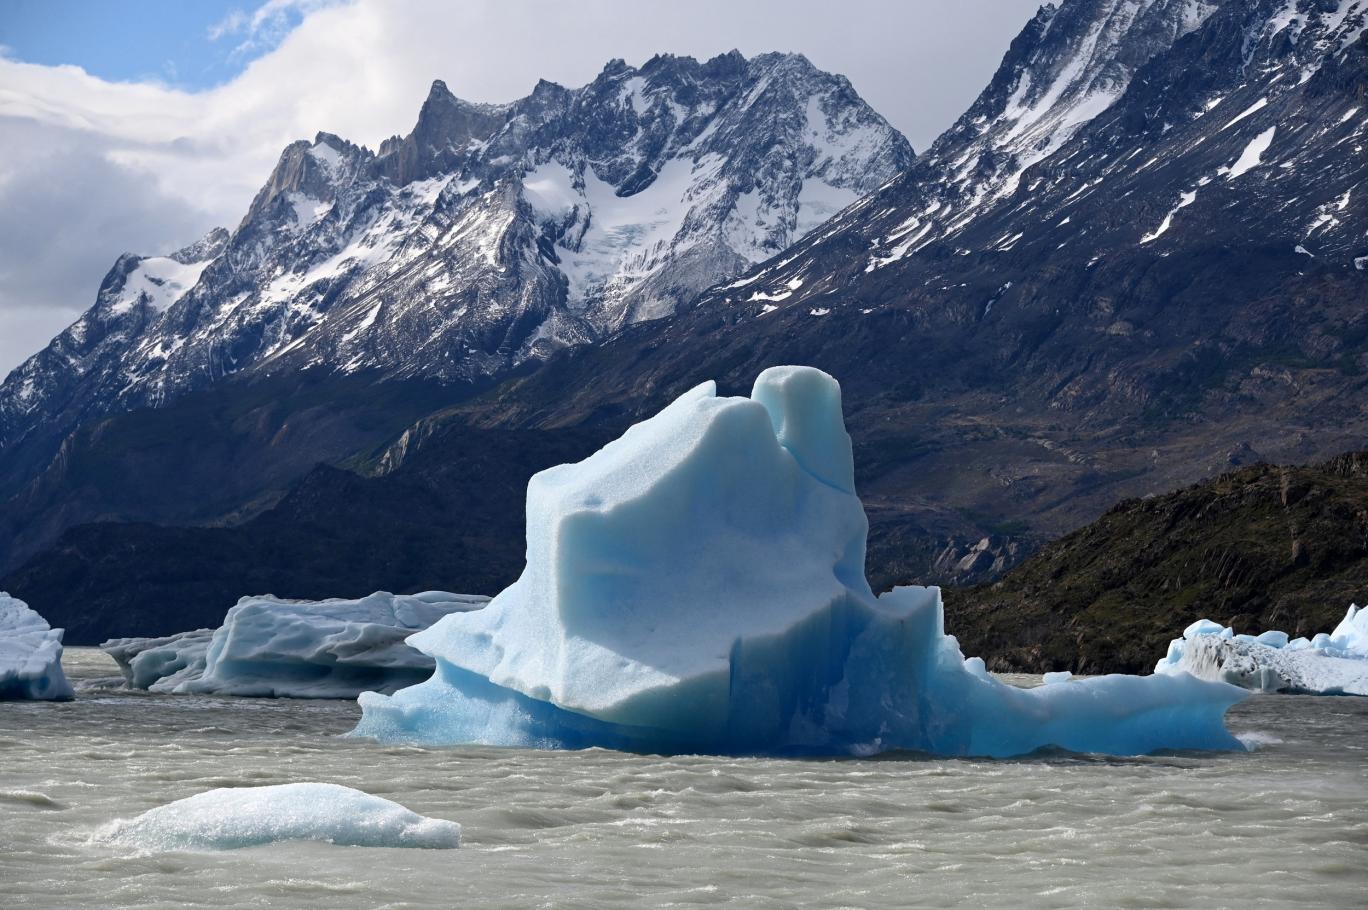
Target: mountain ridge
<point>491,234</point>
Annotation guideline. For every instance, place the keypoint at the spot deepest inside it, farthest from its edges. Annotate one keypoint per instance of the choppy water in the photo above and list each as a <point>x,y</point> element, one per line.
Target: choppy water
<point>1284,825</point>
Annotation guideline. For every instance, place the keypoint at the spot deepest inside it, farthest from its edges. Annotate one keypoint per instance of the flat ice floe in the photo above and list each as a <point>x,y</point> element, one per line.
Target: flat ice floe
<point>234,817</point>
<point>1334,663</point>
<point>698,586</point>
<point>294,648</point>
<point>30,655</point>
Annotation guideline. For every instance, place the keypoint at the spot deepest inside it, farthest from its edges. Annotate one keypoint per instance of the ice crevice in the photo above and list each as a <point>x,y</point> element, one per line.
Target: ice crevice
<point>698,585</point>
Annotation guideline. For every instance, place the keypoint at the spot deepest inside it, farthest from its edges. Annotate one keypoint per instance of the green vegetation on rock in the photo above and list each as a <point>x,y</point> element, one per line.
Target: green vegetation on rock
<point>1262,547</point>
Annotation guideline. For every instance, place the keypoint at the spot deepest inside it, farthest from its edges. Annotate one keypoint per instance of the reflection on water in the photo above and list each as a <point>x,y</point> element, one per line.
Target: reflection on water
<point>1284,824</point>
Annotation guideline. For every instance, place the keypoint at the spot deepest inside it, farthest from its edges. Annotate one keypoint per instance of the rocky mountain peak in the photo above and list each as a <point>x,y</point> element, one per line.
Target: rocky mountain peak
<point>306,178</point>
<point>206,248</point>
<point>446,126</point>
<point>1068,65</point>
<point>494,234</point>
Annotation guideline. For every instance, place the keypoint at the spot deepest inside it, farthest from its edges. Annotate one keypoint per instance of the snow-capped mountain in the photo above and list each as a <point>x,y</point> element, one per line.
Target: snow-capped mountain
<point>133,296</point>
<point>490,235</point>
<point>1117,127</point>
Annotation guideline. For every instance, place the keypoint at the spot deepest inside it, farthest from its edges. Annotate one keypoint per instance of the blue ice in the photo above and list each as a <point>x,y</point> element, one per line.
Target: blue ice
<point>698,586</point>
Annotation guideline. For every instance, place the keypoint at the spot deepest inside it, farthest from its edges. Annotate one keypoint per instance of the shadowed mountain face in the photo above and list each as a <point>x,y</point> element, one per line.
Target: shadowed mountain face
<point>1137,261</point>
<point>438,523</point>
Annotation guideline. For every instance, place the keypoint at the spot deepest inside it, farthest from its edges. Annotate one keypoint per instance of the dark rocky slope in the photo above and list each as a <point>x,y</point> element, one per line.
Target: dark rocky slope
<point>436,523</point>
<point>1263,547</point>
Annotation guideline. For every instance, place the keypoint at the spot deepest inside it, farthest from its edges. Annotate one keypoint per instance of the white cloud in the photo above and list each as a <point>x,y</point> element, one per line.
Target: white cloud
<point>267,26</point>
<point>174,160</point>
<point>231,24</point>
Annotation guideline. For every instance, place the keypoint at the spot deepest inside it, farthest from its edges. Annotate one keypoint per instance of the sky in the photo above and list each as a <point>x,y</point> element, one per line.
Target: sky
<point>138,125</point>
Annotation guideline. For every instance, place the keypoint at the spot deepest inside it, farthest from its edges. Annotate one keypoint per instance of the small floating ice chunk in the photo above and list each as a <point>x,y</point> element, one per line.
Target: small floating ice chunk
<point>233,817</point>
<point>1206,627</point>
<point>1050,679</point>
<point>30,655</point>
<point>1272,639</point>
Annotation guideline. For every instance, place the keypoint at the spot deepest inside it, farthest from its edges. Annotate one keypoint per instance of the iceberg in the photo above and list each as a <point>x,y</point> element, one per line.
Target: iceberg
<point>294,648</point>
<point>1350,637</point>
<point>30,655</point>
<point>1334,663</point>
<point>698,585</point>
<point>233,817</point>
<point>160,664</point>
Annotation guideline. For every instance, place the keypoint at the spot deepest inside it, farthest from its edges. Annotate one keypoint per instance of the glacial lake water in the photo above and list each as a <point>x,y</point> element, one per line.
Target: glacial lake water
<point>1283,825</point>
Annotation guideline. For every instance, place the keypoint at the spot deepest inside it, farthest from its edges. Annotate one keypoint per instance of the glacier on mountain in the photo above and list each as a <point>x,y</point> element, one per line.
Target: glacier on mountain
<point>30,655</point>
<point>231,818</point>
<point>1333,663</point>
<point>698,585</point>
<point>294,648</point>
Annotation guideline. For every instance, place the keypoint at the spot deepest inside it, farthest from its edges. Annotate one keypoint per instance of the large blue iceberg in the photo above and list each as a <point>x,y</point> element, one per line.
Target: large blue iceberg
<point>698,586</point>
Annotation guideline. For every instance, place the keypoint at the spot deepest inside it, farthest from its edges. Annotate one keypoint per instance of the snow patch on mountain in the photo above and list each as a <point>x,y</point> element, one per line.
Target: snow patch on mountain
<point>157,281</point>
<point>1253,153</point>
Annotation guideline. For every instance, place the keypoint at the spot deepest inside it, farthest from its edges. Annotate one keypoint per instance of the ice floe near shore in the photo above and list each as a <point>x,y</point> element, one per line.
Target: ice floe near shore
<point>235,817</point>
<point>294,648</point>
<point>30,655</point>
<point>1334,663</point>
<point>698,586</point>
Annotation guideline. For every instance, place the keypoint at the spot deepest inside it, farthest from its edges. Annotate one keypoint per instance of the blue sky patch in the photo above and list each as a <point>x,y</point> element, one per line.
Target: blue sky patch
<point>188,45</point>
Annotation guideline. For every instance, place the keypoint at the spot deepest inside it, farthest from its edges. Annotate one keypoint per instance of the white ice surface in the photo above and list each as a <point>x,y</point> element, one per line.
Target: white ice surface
<point>1351,635</point>
<point>234,817</point>
<point>698,585</point>
<point>1330,664</point>
<point>30,654</point>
